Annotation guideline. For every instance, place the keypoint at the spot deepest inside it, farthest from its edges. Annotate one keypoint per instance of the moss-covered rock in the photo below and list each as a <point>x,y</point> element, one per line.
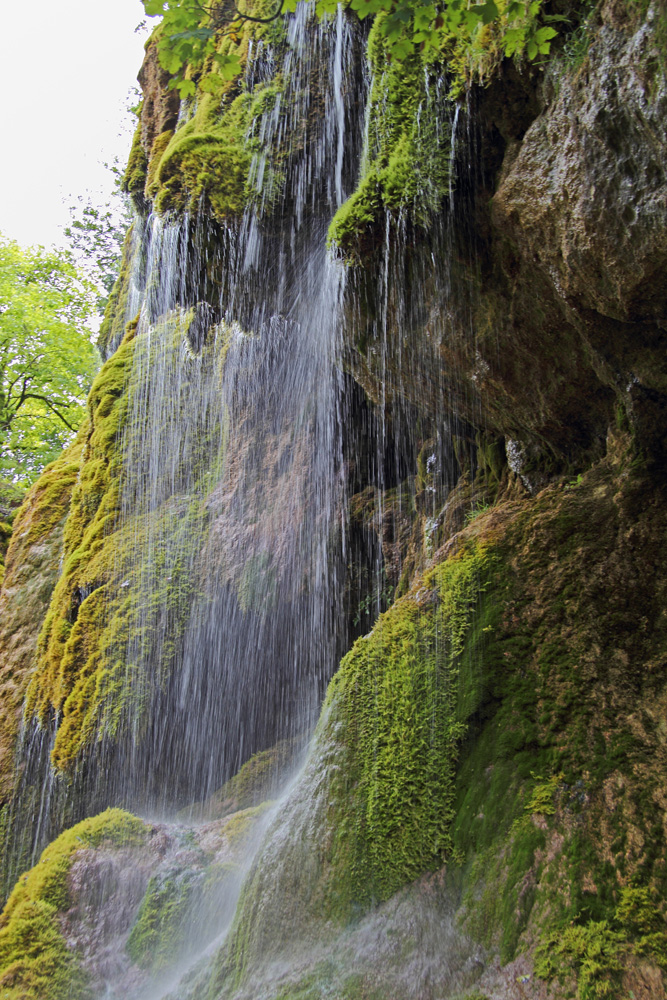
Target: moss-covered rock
<point>30,575</point>
<point>505,717</point>
<point>398,706</point>
<point>104,606</point>
<point>258,780</point>
<point>203,161</point>
<point>134,178</point>
<point>36,961</point>
<point>406,168</point>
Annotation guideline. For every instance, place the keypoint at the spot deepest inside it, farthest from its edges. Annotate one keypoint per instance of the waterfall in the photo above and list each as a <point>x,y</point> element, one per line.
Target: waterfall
<point>236,582</point>
<point>220,625</point>
<point>233,453</point>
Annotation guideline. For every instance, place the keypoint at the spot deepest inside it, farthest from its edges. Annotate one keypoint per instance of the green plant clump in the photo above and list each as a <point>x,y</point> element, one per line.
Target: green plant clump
<point>406,163</point>
<point>208,159</point>
<point>592,954</point>
<point>162,915</point>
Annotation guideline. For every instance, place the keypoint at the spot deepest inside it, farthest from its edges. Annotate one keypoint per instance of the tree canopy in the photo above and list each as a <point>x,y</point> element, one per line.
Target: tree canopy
<point>47,360</point>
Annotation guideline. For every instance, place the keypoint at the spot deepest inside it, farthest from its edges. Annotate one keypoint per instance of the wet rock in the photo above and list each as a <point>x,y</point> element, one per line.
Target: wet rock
<point>160,108</point>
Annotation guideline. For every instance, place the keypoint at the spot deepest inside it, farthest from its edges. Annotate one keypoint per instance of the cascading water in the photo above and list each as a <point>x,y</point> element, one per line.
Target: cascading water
<point>220,621</point>
<point>255,445</point>
<point>223,620</point>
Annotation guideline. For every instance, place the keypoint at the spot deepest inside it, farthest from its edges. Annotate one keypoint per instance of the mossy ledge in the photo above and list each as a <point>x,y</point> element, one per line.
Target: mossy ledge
<point>31,572</point>
<point>406,167</point>
<point>203,161</point>
<point>36,962</point>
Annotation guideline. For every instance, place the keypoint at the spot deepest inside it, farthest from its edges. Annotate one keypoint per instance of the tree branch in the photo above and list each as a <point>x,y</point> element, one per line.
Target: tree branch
<point>52,407</point>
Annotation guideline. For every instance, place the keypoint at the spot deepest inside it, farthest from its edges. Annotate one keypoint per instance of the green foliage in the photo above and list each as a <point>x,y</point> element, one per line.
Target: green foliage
<point>96,236</point>
<point>35,961</point>
<point>190,31</point>
<point>47,361</point>
<point>542,796</point>
<point>590,952</point>
<point>190,35</point>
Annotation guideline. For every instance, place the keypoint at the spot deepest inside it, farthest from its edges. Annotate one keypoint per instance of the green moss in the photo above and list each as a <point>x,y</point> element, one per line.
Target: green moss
<point>207,160</point>
<point>35,961</point>
<point>555,823</point>
<point>114,594</point>
<point>134,178</point>
<point>162,920</point>
<point>398,706</point>
<point>590,953</point>
<point>406,165</point>
<point>496,831</point>
<point>47,502</point>
<point>259,778</point>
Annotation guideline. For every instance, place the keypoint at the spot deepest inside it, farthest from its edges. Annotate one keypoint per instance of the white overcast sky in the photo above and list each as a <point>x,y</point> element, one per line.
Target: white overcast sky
<point>66,69</point>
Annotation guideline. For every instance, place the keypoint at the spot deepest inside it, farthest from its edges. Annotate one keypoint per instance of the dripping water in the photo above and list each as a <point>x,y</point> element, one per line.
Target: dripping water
<point>230,530</point>
<point>237,450</point>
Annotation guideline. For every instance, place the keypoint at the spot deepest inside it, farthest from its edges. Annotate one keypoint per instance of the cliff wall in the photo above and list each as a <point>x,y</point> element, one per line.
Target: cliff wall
<point>483,811</point>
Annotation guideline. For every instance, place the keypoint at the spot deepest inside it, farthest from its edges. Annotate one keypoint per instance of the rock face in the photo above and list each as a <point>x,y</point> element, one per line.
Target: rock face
<point>116,904</point>
<point>482,813</point>
<point>586,192</point>
<point>584,196</point>
<point>30,575</point>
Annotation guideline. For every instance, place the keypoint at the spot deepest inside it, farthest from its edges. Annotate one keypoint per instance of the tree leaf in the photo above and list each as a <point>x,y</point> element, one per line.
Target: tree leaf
<point>489,12</point>
<point>153,7</point>
<point>186,88</point>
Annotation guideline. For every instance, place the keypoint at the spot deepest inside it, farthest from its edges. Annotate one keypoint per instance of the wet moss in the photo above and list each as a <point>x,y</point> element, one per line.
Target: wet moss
<point>47,502</point>
<point>326,979</point>
<point>398,706</point>
<point>134,178</point>
<point>258,780</point>
<point>206,162</point>
<point>161,922</point>
<point>31,573</point>
<point>99,634</point>
<point>556,810</point>
<point>406,165</point>
<point>36,962</point>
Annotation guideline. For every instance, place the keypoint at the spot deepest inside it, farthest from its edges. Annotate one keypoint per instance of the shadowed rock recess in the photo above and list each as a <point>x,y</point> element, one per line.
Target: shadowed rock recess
<point>353,585</point>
